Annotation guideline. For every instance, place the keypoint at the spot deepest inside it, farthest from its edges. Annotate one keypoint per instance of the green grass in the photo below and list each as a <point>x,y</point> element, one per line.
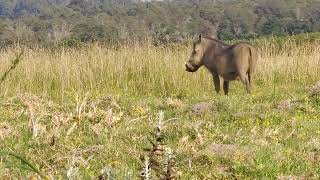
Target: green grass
<point>92,109</point>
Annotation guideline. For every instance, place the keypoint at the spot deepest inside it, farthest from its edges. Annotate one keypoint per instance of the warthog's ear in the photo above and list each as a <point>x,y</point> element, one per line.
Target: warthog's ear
<point>200,36</point>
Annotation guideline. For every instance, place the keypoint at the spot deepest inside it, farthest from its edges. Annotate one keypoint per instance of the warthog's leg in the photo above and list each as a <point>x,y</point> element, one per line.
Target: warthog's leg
<point>226,87</point>
<point>250,75</point>
<point>216,81</point>
<point>245,80</point>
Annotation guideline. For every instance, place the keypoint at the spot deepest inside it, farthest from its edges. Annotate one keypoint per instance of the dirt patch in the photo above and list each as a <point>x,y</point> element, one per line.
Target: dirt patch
<point>287,105</point>
<point>227,149</point>
<point>201,108</point>
<point>315,89</point>
<point>223,169</point>
<point>291,178</point>
<point>174,103</point>
<point>97,129</point>
<point>5,130</point>
<point>314,156</point>
<point>223,149</point>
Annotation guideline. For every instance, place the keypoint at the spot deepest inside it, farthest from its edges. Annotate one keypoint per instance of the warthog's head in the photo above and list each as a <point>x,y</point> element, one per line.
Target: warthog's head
<point>197,56</point>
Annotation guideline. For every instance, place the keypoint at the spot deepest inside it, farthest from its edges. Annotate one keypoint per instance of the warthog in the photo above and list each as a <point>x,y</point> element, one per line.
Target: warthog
<point>225,62</point>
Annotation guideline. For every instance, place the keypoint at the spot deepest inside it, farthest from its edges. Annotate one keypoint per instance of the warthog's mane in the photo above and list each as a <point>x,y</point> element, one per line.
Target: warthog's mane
<point>215,40</point>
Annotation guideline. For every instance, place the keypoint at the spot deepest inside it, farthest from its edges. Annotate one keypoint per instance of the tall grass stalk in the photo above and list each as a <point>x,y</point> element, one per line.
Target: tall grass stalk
<point>12,67</point>
<point>23,161</point>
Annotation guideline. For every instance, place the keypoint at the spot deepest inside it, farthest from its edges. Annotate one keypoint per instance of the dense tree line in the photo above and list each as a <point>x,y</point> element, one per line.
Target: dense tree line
<point>75,21</point>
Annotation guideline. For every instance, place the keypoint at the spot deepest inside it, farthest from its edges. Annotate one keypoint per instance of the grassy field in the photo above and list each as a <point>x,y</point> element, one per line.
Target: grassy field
<point>116,113</point>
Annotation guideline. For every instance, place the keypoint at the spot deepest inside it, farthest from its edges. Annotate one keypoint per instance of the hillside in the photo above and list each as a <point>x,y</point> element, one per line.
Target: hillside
<point>48,21</point>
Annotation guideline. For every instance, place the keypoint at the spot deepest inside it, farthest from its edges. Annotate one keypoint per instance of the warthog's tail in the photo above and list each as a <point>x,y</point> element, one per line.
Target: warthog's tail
<point>252,62</point>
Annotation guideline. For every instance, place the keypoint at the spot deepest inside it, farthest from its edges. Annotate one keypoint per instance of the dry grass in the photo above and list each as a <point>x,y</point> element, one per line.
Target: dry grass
<point>87,113</point>
<point>142,69</point>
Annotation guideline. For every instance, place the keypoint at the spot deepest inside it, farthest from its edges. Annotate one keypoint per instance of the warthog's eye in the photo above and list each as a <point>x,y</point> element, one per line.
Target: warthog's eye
<point>195,51</point>
<point>197,48</point>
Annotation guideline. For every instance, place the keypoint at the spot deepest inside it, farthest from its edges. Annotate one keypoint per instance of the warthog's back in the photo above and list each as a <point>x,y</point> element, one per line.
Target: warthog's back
<point>240,57</point>
<point>247,57</point>
<point>230,60</point>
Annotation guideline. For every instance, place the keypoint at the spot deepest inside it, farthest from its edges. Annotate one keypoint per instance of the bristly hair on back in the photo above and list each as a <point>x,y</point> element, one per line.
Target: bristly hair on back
<point>213,39</point>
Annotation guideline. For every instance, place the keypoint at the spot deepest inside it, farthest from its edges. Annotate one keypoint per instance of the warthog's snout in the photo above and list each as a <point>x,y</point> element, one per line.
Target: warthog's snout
<point>191,68</point>
<point>188,67</point>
